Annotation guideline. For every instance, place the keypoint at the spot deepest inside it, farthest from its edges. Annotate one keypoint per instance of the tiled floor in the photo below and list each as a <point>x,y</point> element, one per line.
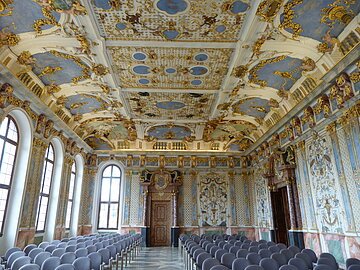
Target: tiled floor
<point>158,258</point>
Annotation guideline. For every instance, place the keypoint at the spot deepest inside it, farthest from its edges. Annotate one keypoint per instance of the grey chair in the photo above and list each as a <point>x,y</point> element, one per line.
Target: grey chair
<point>55,242</point>
<point>201,258</point>
<point>43,245</point>
<point>243,238</point>
<point>287,253</point>
<point>306,259</point>
<point>227,247</point>
<point>91,249</point>
<point>254,244</point>
<point>9,252</point>
<point>70,248</point>
<point>245,246</point>
<point>352,261</point>
<point>30,266</point>
<point>238,243</point>
<point>281,246</point>
<point>34,252</point>
<point>253,258</point>
<point>112,249</point>
<point>58,252</point>
<point>28,248</point>
<point>208,263</point>
<point>81,252</point>
<point>65,266</point>
<point>95,260</point>
<point>242,253</point>
<point>19,262</point>
<point>263,246</point>
<point>254,267</point>
<point>88,243</point>
<point>330,257</point>
<point>279,258</point>
<point>80,245</point>
<point>288,267</point>
<point>67,258</point>
<point>269,264</point>
<point>50,248</point>
<point>329,262</point>
<point>274,249</point>
<point>294,249</point>
<point>240,264</point>
<point>61,245</point>
<point>227,259</point>
<point>271,243</point>
<point>105,255</point>
<point>234,249</point>
<point>311,254</point>
<point>213,250</point>
<point>219,253</point>
<point>50,263</point>
<point>208,247</point>
<point>265,253</point>
<point>323,267</point>
<point>13,257</point>
<point>354,267</point>
<point>98,246</point>
<point>82,263</point>
<point>253,249</point>
<point>41,257</point>
<point>219,267</point>
<point>299,263</point>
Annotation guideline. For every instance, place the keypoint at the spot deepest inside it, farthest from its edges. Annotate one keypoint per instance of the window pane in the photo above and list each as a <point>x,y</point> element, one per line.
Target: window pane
<point>113,215</point>
<point>114,195</point>
<point>4,126</point>
<point>73,168</point>
<point>7,163</point>
<point>12,132</point>
<point>50,155</point>
<point>47,178</point>
<point>103,215</point>
<point>71,187</point>
<point>107,172</point>
<point>68,215</point>
<point>3,198</point>
<point>42,213</point>
<point>116,171</point>
<point>105,189</point>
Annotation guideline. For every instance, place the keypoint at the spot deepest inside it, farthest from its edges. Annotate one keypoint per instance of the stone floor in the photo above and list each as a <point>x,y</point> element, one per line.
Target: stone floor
<point>158,258</point>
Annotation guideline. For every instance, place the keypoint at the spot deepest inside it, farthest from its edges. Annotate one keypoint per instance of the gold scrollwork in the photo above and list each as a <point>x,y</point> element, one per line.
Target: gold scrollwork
<point>289,15</point>
<point>268,9</point>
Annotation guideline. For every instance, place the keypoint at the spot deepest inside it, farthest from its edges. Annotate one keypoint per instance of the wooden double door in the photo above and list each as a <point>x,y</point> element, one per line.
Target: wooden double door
<point>281,215</point>
<point>160,224</point>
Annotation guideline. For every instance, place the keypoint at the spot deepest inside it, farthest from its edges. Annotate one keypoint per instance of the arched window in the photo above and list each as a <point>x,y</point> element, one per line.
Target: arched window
<point>8,148</point>
<point>45,189</point>
<point>109,198</point>
<point>71,197</point>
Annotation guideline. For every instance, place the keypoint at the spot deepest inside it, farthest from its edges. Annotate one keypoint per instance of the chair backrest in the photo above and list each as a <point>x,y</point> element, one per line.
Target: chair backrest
<point>219,253</point>
<point>240,264</point>
<point>253,258</point>
<point>254,249</point>
<point>299,263</point>
<point>242,253</point>
<point>254,244</point>
<point>197,252</point>
<point>243,238</point>
<point>327,261</point>
<point>238,243</point>
<point>227,259</point>
<point>245,246</point>
<point>209,246</point>
<point>201,258</point>
<point>323,267</point>
<point>328,256</point>
<point>354,267</point>
<point>294,249</point>
<point>65,266</point>
<point>288,267</point>
<point>234,249</point>
<point>306,259</point>
<point>67,258</point>
<point>287,253</point>
<point>70,248</point>
<point>213,250</point>
<point>269,264</point>
<point>311,254</point>
<point>34,252</point>
<point>28,248</point>
<point>221,244</point>
<point>112,249</point>
<point>265,253</point>
<point>11,251</point>
<point>349,262</point>
<point>281,246</point>
<point>274,249</point>
<point>30,266</point>
<point>19,262</point>
<point>88,242</point>
<point>50,263</point>
<point>105,255</point>
<point>208,263</point>
<point>41,257</point>
<point>98,246</point>
<point>82,263</point>
<point>279,258</point>
<point>58,252</point>
<point>263,246</point>
<point>91,249</point>
<point>95,260</point>
<point>254,267</point>
<point>61,245</point>
<point>227,246</point>
<point>43,245</point>
<point>81,252</point>
<point>219,267</point>
<point>50,248</point>
<point>13,257</point>
<point>80,245</point>
<point>55,242</point>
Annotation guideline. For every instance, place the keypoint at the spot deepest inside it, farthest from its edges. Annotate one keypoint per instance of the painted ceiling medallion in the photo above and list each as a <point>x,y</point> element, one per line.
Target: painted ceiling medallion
<point>170,105</point>
<point>201,57</point>
<point>172,7</point>
<point>141,69</point>
<point>139,56</point>
<point>199,71</point>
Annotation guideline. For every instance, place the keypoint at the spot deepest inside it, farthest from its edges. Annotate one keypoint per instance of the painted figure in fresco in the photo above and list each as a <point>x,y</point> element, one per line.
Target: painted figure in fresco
<point>72,7</point>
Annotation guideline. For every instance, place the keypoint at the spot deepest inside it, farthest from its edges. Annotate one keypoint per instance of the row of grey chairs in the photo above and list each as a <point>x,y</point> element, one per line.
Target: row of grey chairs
<point>91,255</point>
<point>240,254</point>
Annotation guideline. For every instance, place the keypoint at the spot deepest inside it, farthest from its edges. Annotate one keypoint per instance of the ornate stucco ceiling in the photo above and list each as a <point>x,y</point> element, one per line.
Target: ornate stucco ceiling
<point>213,74</point>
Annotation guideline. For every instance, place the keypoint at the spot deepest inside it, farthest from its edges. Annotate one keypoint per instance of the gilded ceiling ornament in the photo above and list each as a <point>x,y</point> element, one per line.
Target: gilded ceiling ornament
<point>268,9</point>
<point>100,70</point>
<point>6,91</point>
<point>49,70</point>
<point>289,15</point>
<point>61,100</point>
<point>72,7</point>
<point>328,44</point>
<point>309,117</point>
<point>254,78</point>
<point>25,58</point>
<point>256,48</point>
<point>324,103</point>
<point>273,103</point>
<point>84,43</point>
<point>282,93</point>
<point>336,93</point>
<point>8,39</point>
<point>5,9</point>
<point>49,19</point>
<point>52,88</point>
<point>240,71</point>
<point>337,12</point>
<point>296,124</point>
<point>355,77</point>
<point>308,64</point>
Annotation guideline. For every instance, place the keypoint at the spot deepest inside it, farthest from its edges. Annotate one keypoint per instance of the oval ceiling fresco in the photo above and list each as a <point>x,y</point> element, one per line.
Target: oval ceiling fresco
<point>81,104</point>
<point>54,69</point>
<point>170,105</point>
<point>256,107</point>
<point>172,7</point>
<point>98,143</point>
<point>231,130</point>
<point>309,13</point>
<point>24,14</point>
<point>240,145</point>
<point>165,132</point>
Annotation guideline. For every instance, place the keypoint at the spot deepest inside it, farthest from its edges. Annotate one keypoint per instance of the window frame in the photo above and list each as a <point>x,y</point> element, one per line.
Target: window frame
<point>46,160</point>
<point>3,186</point>
<point>72,173</point>
<point>109,202</point>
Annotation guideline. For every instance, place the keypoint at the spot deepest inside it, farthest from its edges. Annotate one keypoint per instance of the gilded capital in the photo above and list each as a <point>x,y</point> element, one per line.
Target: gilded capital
<point>331,128</point>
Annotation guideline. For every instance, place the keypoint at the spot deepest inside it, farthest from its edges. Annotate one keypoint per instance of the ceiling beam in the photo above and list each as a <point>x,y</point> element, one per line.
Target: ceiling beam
<point>170,44</point>
<point>174,90</point>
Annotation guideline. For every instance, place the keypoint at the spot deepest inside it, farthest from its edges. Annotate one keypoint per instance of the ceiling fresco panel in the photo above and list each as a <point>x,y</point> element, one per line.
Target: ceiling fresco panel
<point>170,68</point>
<point>171,20</point>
